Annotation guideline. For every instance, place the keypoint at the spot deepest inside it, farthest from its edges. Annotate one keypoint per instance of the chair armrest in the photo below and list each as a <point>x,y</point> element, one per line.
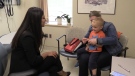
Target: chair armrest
<point>123,53</point>
<point>58,39</point>
<point>125,50</point>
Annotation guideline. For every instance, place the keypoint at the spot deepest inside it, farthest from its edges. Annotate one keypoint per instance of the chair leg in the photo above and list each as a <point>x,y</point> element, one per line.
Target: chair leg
<point>109,72</point>
<point>67,58</point>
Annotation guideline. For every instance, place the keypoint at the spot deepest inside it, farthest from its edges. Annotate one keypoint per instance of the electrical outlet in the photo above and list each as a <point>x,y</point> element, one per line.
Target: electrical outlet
<point>50,35</point>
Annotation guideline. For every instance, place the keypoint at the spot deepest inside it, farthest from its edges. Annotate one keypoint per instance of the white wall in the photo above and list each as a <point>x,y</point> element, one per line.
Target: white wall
<point>124,20</point>
<point>19,13</point>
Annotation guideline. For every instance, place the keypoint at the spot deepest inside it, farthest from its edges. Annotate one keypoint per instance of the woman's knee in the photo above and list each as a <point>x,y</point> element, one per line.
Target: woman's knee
<point>52,57</point>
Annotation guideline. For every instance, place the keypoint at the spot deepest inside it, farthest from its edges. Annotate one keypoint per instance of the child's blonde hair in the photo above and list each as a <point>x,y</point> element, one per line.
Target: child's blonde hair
<point>98,21</point>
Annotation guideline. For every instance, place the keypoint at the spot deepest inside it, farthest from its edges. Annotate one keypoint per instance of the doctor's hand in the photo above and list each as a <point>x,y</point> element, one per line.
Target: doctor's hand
<point>51,53</point>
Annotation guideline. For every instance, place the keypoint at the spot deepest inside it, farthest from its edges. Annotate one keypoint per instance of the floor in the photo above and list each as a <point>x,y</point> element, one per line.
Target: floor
<point>68,65</point>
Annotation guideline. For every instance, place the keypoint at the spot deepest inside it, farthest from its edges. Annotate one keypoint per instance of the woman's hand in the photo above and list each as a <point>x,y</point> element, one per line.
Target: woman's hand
<point>92,41</point>
<point>51,53</point>
<point>84,40</point>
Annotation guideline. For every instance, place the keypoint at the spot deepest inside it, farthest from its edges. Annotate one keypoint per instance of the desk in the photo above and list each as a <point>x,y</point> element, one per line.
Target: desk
<point>6,39</point>
<point>5,49</point>
<point>122,65</point>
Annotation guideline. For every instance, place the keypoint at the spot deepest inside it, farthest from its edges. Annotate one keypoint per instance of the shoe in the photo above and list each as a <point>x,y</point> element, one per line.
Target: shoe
<point>63,73</point>
<point>68,73</point>
<point>77,64</point>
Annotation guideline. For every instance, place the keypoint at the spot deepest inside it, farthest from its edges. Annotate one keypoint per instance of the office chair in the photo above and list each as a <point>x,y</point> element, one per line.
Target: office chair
<point>5,50</point>
<point>71,33</point>
<point>123,40</point>
<point>3,57</point>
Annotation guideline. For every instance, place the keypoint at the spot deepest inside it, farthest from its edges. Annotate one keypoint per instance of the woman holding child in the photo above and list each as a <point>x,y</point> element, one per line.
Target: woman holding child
<point>110,47</point>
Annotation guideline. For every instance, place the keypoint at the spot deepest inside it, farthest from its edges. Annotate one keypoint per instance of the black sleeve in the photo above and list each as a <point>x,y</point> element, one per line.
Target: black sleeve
<point>34,58</point>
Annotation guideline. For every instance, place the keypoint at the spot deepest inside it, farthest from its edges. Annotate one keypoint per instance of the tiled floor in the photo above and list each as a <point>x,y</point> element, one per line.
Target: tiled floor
<point>68,65</point>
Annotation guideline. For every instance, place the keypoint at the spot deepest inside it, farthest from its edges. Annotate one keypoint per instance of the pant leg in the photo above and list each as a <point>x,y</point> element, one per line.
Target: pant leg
<point>83,64</point>
<point>51,64</point>
<point>80,51</point>
<point>104,60</point>
<point>53,71</point>
<point>93,57</point>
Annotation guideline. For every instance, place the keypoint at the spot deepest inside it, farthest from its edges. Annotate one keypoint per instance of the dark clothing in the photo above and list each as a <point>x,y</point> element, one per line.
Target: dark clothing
<point>52,65</point>
<point>26,56</point>
<point>104,59</point>
<point>93,57</point>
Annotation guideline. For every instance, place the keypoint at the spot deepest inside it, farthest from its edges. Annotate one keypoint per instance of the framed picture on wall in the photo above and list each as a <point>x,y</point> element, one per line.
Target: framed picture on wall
<point>104,6</point>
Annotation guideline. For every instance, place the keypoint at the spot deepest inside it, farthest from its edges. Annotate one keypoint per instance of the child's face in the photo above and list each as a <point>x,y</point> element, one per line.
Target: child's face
<point>96,26</point>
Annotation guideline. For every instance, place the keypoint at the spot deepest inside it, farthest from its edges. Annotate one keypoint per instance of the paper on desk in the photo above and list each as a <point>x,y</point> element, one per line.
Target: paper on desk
<point>6,39</point>
<point>123,65</point>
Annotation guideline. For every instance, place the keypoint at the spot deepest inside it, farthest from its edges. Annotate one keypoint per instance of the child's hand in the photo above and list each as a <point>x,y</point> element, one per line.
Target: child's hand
<point>84,40</point>
<point>92,41</point>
